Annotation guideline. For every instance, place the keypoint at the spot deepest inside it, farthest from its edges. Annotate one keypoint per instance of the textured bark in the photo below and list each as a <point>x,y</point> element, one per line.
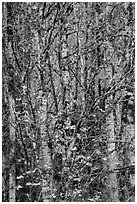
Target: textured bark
<point>7,41</point>
<point>45,154</point>
<point>128,134</point>
<point>112,153</point>
<point>113,187</point>
<point>45,158</point>
<point>82,58</point>
<point>112,160</point>
<point>12,184</point>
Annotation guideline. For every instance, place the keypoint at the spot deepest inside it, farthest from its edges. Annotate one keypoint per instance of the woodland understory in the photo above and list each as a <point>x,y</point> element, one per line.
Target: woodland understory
<point>68,102</point>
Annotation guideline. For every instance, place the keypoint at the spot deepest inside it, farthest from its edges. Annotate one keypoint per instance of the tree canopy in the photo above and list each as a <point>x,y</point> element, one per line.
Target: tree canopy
<point>68,101</point>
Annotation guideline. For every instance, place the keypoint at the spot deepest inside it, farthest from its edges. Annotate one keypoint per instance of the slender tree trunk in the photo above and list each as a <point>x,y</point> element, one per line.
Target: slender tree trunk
<point>45,154</point>
<point>112,159</point>
<point>12,172</point>
<point>112,153</point>
<point>128,132</point>
<point>113,186</point>
<point>86,55</point>
<point>5,157</point>
<point>82,58</point>
<point>45,158</point>
<point>8,41</point>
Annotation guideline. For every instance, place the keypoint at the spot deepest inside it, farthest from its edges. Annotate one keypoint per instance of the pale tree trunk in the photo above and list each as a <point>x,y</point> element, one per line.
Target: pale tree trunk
<point>112,154</point>
<point>110,126</point>
<point>128,127</point>
<point>86,5</point>
<point>11,102</point>
<point>112,158</point>
<point>125,133</point>
<point>82,58</point>
<point>12,172</point>
<point>45,154</point>
<point>67,72</point>
<point>62,53</point>
<point>101,71</point>
<point>45,158</point>
<point>77,63</point>
<point>5,185</point>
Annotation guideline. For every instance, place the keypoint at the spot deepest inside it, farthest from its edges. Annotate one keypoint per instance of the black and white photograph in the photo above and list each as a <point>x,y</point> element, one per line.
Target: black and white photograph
<point>68,101</point>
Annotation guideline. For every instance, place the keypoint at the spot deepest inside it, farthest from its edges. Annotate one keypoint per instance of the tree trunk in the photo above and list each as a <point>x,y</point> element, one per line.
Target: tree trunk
<point>45,158</point>
<point>45,154</point>
<point>8,57</point>
<point>82,58</point>
<point>112,153</point>
<point>113,186</point>
<point>12,172</point>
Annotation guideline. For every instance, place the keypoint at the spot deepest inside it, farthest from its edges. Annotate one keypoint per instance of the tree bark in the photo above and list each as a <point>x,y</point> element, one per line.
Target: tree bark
<point>45,154</point>
<point>112,153</point>
<point>12,171</point>
<point>45,158</point>
<point>82,58</point>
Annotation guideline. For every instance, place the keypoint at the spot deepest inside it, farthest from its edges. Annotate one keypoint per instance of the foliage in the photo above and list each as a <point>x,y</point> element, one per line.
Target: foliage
<point>69,67</point>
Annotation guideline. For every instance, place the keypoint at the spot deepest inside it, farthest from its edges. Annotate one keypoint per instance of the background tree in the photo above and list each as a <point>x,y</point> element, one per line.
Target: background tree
<point>68,101</point>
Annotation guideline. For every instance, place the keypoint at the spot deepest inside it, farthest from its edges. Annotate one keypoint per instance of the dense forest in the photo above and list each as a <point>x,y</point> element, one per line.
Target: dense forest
<point>68,101</point>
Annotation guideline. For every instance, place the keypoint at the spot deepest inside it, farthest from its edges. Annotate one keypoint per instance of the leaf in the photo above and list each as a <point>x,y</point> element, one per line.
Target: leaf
<point>20,177</point>
<point>89,164</point>
<point>36,184</point>
<point>19,187</point>
<point>29,184</point>
<point>73,149</point>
